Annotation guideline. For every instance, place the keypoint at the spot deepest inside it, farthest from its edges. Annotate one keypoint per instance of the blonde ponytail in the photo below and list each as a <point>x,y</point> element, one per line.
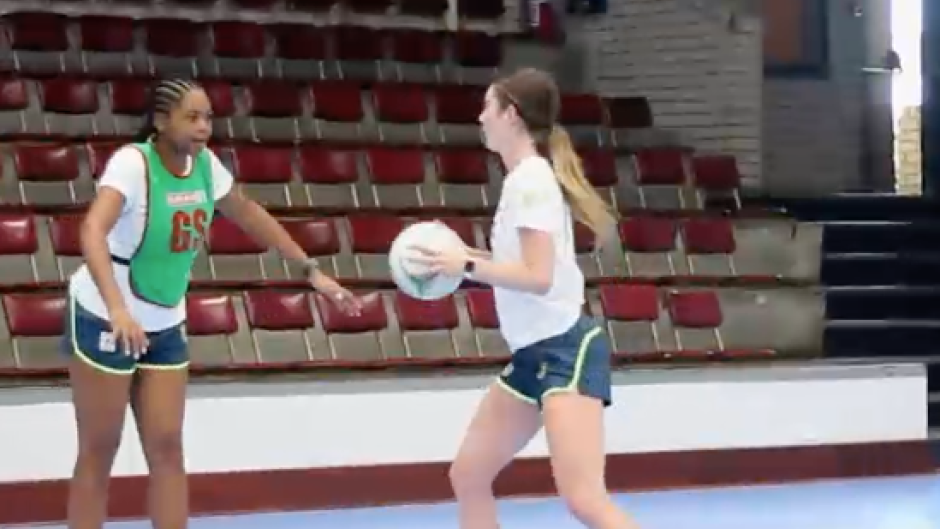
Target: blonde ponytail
<point>586,204</point>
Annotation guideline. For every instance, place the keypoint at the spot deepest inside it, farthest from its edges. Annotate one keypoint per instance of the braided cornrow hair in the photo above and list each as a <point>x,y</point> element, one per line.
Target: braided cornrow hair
<point>162,98</point>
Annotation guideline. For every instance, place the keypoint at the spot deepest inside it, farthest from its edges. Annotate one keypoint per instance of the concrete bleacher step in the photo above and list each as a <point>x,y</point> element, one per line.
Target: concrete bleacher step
<point>880,268</point>
<point>854,207</point>
<point>881,237</point>
<point>882,339</point>
<point>883,303</point>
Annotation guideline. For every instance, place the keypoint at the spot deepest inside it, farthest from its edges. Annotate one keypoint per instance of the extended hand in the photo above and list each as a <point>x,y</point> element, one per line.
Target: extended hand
<point>347,302</point>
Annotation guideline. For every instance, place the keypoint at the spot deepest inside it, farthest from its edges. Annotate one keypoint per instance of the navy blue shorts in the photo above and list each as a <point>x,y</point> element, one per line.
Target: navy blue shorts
<point>89,338</point>
<point>575,361</point>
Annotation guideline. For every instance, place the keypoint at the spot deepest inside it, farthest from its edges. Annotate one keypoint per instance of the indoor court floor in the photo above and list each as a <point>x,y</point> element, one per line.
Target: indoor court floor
<point>895,503</point>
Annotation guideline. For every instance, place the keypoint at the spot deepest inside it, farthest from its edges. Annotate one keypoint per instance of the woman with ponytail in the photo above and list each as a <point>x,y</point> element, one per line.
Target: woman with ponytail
<point>559,375</point>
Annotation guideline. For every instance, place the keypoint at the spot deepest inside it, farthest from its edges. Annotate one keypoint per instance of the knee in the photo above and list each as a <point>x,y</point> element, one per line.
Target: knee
<point>96,451</point>
<point>467,478</point>
<point>164,450</point>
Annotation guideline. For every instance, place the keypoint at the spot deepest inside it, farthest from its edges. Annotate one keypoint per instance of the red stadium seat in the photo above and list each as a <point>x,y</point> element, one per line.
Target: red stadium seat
<point>65,231</point>
<point>273,99</point>
<point>45,163</point>
<point>35,323</point>
<point>649,243</point>
<point>210,314</point>
<point>426,328</point>
<point>399,103</point>
<point>629,112</point>
<point>462,166</point>
<point>98,156</point>
<point>220,95</point>
<point>390,166</point>
<point>18,247</point>
<point>484,321</point>
<point>345,331</point>
<point>337,101</point>
<point>273,310</point>
<point>630,302</point>
<point>582,109</point>
<point>106,33</point>
<point>716,175</point>
<point>257,164</point>
<point>323,165</point>
<point>69,96</point>
<point>473,49</point>
<point>373,234</point>
<point>660,167</point>
<point>35,314</point>
<point>648,234</point>
<point>458,104</point>
<point>13,95</point>
<point>129,96</point>
<point>600,167</point>
<point>210,323</point>
<point>420,315</point>
<point>418,46</point>
<point>317,237</point>
<point>238,39</point>
<point>462,226</point>
<point>37,31</point>
<point>358,43</point>
<point>226,238</point>
<point>694,309</point>
<point>299,42</point>
<point>482,308</point>
<point>631,313</point>
<point>709,244</point>
<point>370,237</point>
<point>708,236</point>
<point>172,37</point>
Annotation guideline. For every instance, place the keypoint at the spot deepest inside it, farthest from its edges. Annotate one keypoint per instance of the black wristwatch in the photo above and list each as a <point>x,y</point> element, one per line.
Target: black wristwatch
<point>468,268</point>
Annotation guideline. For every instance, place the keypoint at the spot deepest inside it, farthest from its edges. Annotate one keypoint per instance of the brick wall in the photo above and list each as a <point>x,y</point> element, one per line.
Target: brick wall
<point>790,136</point>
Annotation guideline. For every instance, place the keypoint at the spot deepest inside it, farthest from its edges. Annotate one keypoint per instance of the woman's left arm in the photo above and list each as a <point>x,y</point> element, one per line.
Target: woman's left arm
<point>266,230</point>
<point>260,225</point>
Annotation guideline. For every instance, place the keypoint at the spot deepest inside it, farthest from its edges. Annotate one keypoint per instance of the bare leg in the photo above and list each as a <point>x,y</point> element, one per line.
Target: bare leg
<point>574,425</point>
<point>159,401</point>
<point>503,425</point>
<point>100,400</point>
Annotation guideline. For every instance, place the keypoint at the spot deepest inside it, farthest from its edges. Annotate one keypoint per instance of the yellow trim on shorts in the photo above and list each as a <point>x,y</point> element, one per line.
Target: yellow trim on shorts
<point>73,319</point>
<point>515,393</point>
<point>572,386</point>
<point>162,367</point>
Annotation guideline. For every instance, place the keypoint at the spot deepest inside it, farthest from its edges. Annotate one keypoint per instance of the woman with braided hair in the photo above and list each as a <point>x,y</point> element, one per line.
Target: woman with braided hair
<point>154,205</point>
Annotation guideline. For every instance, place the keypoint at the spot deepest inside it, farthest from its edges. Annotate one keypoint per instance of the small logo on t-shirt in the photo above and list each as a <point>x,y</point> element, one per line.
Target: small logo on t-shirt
<point>186,198</point>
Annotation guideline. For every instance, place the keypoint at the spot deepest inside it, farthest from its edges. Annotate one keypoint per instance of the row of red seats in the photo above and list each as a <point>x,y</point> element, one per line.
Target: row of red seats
<point>473,9</point>
<point>317,164</point>
<point>214,314</point>
<point>373,234</point>
<point>336,101</point>
<point>170,37</point>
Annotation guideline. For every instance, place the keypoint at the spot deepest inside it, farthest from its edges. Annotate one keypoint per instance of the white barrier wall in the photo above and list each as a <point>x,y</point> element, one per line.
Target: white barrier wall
<point>327,424</point>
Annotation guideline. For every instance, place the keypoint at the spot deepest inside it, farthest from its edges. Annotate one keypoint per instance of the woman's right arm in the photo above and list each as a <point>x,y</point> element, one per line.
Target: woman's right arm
<point>100,219</point>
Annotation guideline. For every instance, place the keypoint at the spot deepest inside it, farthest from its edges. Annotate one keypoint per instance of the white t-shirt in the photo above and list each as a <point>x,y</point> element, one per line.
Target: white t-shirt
<point>126,172</point>
<point>532,198</point>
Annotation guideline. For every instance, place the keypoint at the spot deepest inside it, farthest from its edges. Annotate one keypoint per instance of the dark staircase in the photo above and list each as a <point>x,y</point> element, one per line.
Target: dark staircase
<point>881,272</point>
